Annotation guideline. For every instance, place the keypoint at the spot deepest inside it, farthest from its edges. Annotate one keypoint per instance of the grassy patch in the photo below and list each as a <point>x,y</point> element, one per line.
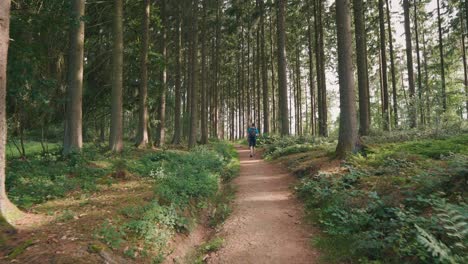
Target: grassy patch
<point>200,254</point>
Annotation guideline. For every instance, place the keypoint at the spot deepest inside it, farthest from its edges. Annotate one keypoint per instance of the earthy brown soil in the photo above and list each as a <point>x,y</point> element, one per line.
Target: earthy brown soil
<point>45,236</point>
<point>267,222</point>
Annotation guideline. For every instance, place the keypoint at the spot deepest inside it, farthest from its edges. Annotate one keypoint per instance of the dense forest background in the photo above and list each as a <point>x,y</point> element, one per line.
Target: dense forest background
<point>235,78</point>
<point>366,101</point>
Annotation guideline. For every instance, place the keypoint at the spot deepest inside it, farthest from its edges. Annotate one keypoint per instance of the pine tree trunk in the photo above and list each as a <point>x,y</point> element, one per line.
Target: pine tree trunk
<point>162,95</point>
<point>348,131</point>
<point>298,93</point>
<point>418,58</point>
<point>266,108</point>
<point>282,78</point>
<point>216,70</point>
<point>392,67</point>
<point>362,68</point>
<point>74,138</point>
<point>194,79</point>
<point>465,69</point>
<point>441,53</point>
<point>321,77</point>
<point>142,134</point>
<point>311,77</point>
<point>426,82</point>
<point>383,52</point>
<point>409,63</point>
<point>177,82</point>
<point>116,130</point>
<point>203,82</point>
<point>258,82</point>
<point>273,79</point>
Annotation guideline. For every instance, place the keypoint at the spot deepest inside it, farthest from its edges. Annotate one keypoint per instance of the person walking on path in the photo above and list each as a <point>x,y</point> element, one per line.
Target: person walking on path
<point>252,133</point>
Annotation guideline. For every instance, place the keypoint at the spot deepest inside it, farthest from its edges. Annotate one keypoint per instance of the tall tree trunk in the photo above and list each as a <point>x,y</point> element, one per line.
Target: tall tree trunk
<point>177,81</point>
<point>409,63</point>
<point>74,138</point>
<point>258,81</point>
<point>242,76</point>
<point>383,52</point>
<point>465,69</point>
<point>418,58</point>
<point>266,109</point>
<point>363,75</point>
<point>116,130</point>
<point>348,131</point>
<point>8,210</point>
<point>217,66</point>
<point>311,77</point>
<point>392,67</point>
<point>298,93</point>
<point>282,78</point>
<point>203,83</point>
<point>142,134</point>
<point>426,81</point>
<point>441,53</point>
<point>162,95</point>
<point>273,79</point>
<point>194,79</point>
<point>321,77</point>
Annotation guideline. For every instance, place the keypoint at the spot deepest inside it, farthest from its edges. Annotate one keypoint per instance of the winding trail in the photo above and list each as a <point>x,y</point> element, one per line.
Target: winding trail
<point>266,224</point>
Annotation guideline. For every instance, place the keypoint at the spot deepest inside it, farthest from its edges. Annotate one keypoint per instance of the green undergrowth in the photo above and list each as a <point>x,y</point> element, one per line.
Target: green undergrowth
<point>200,254</point>
<point>187,185</point>
<point>398,202</point>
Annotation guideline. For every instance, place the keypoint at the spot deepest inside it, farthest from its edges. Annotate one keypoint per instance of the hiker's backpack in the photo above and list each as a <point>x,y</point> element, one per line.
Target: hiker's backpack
<point>252,132</point>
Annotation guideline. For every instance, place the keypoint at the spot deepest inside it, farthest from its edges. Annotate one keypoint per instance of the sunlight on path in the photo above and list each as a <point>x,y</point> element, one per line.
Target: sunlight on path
<point>266,225</point>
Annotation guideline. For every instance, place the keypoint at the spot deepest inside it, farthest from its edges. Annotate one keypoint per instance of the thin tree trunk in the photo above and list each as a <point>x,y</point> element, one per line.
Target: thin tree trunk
<point>348,124</point>
<point>465,69</point>
<point>383,52</point>
<point>418,58</point>
<point>311,77</point>
<point>298,93</point>
<point>409,63</point>
<point>441,53</point>
<point>177,81</point>
<point>426,82</point>
<point>258,81</point>
<point>142,134</point>
<point>266,109</point>
<point>116,130</point>
<point>362,68</point>
<point>203,83</point>
<point>321,77</point>
<point>162,102</point>
<point>217,63</point>
<point>273,80</point>
<point>282,78</point>
<point>392,67</point>
<point>194,79</point>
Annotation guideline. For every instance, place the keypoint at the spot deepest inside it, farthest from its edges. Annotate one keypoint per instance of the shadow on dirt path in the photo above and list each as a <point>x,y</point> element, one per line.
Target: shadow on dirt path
<point>266,225</point>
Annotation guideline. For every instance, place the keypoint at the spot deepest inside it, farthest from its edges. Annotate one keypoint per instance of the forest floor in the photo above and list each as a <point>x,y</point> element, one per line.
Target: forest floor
<point>70,237</point>
<point>267,224</point>
<point>126,214</point>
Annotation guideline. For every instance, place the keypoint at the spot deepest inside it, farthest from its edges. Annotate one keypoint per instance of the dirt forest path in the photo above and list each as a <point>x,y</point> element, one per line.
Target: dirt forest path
<point>266,225</point>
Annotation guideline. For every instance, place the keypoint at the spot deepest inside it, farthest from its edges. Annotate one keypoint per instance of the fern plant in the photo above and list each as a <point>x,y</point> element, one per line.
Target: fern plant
<point>454,221</point>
